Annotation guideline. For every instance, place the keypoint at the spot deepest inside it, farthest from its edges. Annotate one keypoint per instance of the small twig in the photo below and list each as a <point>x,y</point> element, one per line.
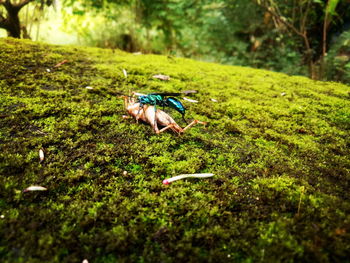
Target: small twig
<point>61,63</point>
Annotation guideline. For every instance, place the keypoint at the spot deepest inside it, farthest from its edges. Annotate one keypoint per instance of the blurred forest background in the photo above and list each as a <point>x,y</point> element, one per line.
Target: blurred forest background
<point>297,37</point>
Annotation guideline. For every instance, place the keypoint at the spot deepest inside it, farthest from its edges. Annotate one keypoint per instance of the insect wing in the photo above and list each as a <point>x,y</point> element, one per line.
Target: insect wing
<point>166,94</point>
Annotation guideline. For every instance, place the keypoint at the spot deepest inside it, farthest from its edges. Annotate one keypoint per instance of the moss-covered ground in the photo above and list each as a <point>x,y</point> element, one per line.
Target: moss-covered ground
<point>279,147</point>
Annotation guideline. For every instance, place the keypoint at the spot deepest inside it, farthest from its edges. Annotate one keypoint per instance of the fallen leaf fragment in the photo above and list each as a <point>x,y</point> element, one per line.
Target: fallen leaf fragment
<point>61,63</point>
<point>183,176</point>
<point>41,155</point>
<point>138,94</point>
<point>161,77</point>
<point>34,188</point>
<point>189,91</point>
<point>190,100</point>
<point>125,73</point>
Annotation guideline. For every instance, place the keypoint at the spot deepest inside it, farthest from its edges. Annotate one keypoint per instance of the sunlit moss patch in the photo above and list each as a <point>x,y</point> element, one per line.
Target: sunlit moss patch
<point>278,146</point>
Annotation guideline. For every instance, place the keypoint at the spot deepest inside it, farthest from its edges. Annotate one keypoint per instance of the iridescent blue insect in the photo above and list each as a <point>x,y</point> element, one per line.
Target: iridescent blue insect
<point>157,99</point>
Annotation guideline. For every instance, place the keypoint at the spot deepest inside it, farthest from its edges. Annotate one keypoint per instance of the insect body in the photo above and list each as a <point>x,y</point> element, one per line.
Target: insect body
<point>154,117</point>
<point>155,99</point>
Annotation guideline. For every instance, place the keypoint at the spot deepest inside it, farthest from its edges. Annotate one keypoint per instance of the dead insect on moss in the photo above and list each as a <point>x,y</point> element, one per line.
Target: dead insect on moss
<point>34,188</point>
<point>154,117</point>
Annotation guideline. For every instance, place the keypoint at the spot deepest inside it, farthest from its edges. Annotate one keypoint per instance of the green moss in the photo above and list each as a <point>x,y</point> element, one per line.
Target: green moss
<point>278,146</point>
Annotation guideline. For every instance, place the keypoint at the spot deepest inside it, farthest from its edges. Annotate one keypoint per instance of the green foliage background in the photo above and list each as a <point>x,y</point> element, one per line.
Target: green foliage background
<point>278,146</point>
<point>235,32</point>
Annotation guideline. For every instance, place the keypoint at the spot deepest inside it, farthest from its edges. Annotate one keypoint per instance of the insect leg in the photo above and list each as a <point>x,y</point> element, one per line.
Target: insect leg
<point>194,123</point>
<point>170,126</point>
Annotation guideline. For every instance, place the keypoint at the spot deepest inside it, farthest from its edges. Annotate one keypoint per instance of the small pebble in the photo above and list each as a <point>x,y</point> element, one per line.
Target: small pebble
<point>125,173</point>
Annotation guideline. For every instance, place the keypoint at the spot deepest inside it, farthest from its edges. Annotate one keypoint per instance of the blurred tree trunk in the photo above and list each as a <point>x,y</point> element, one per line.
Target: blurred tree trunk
<point>11,22</point>
<point>329,12</point>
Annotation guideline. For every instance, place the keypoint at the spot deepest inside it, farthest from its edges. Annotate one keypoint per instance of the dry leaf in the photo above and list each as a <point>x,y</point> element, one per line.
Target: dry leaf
<point>161,77</point>
<point>41,155</point>
<point>189,91</point>
<point>61,63</point>
<point>183,176</point>
<point>34,188</point>
<point>125,73</point>
<point>190,100</point>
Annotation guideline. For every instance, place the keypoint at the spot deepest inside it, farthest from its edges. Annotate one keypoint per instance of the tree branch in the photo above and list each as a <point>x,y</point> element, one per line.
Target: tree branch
<point>22,3</point>
<point>303,23</point>
<point>282,20</point>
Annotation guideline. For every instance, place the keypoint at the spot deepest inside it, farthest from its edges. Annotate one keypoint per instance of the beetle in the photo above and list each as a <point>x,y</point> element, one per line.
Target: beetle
<point>154,117</point>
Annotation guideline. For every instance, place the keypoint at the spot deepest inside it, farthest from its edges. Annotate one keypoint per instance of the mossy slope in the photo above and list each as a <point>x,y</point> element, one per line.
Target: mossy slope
<point>278,146</point>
